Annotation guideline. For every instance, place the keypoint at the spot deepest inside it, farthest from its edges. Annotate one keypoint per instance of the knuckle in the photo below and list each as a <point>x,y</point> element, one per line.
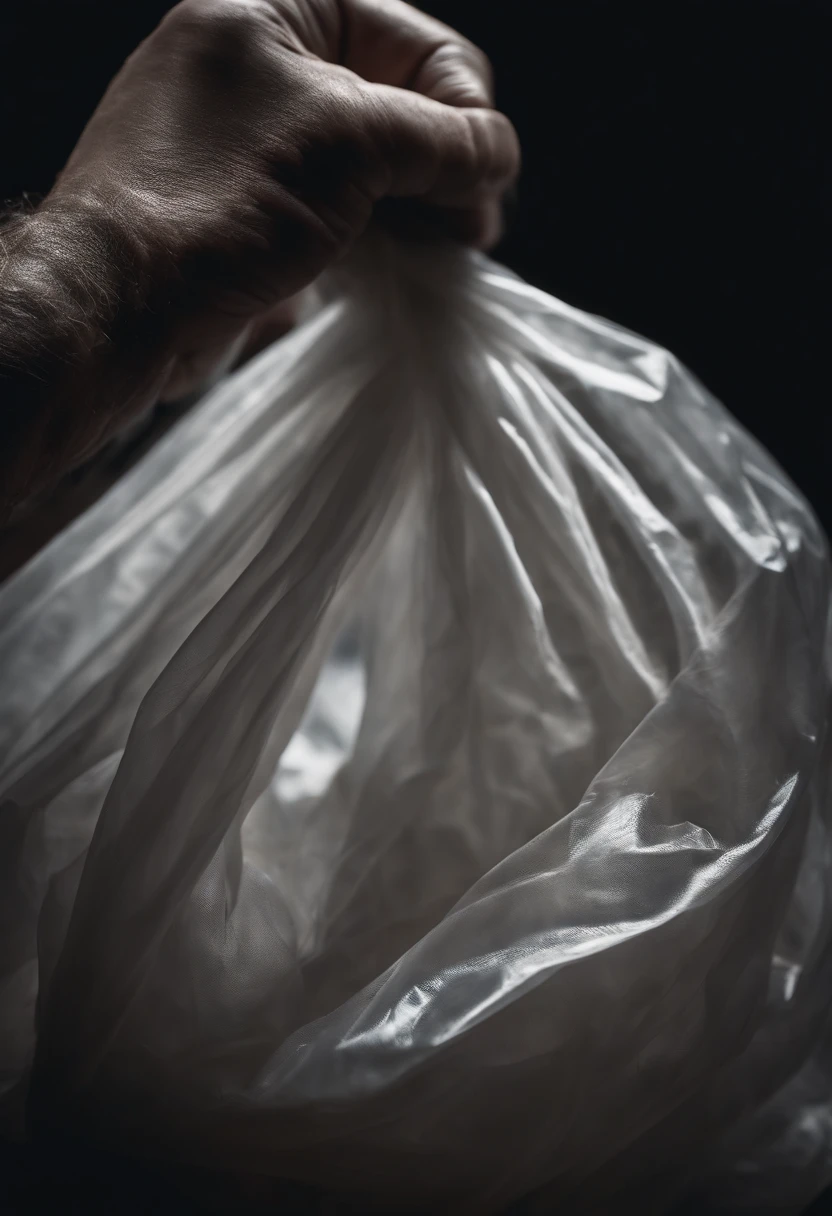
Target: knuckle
<point>476,57</point>
<point>198,13</point>
<point>509,152</point>
<point>458,73</point>
<point>218,45</point>
<point>477,62</point>
<point>213,20</point>
<point>495,150</point>
<point>350,138</point>
<point>479,145</point>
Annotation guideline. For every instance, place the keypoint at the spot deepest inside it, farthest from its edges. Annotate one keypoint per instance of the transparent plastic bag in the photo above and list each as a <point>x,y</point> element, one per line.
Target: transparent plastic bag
<point>414,775</point>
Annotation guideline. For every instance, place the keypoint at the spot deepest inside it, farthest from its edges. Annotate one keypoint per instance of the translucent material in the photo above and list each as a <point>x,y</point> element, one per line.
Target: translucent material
<point>414,775</point>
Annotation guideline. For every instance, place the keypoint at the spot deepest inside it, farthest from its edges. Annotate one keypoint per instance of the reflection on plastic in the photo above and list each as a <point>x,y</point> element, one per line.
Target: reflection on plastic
<point>415,778</point>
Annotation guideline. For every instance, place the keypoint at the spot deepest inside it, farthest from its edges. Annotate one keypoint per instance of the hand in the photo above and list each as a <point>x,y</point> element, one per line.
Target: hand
<point>246,143</point>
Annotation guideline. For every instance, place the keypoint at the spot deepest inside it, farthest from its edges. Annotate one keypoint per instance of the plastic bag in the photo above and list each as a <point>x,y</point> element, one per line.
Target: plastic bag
<point>414,775</point>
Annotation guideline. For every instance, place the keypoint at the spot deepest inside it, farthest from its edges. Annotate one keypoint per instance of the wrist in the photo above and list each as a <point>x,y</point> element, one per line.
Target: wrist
<point>98,270</point>
<point>80,345</point>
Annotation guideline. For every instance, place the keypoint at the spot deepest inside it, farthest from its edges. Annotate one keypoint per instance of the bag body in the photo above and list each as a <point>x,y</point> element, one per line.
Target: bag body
<point>415,778</point>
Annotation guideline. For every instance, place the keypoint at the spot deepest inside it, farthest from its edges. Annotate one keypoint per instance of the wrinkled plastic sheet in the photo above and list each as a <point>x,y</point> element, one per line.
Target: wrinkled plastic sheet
<point>414,775</point>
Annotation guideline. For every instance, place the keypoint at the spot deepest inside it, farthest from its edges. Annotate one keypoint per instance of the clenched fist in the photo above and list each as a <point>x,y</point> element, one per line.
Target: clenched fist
<point>248,142</point>
<point>242,148</point>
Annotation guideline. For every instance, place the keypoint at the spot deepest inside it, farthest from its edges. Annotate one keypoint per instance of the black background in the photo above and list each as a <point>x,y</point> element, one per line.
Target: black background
<point>676,178</point>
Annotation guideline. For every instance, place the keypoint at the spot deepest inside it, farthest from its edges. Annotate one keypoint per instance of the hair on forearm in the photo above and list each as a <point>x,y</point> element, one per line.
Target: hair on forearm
<point>76,342</point>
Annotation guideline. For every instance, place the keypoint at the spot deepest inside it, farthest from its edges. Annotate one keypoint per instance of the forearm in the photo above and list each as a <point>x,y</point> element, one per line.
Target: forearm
<point>81,341</point>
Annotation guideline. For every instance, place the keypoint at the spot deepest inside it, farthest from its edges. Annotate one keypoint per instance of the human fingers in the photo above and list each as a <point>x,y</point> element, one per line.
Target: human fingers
<point>390,42</point>
<point>443,155</point>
